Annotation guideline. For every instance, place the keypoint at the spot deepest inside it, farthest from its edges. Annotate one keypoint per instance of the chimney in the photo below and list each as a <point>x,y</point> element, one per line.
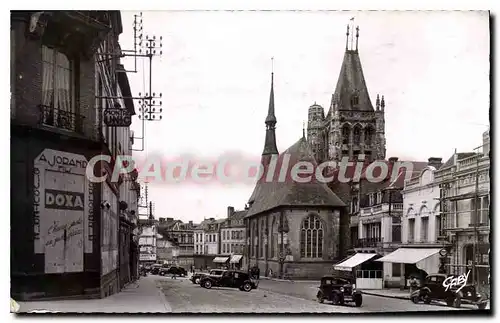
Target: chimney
<point>393,159</point>
<point>434,162</point>
<point>212,219</point>
<point>170,219</point>
<point>162,220</point>
<point>190,223</point>
<point>246,207</point>
<point>230,211</point>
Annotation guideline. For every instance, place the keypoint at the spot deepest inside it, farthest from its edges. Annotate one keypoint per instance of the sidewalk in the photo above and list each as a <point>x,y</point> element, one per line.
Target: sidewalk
<point>389,293</point>
<point>142,296</point>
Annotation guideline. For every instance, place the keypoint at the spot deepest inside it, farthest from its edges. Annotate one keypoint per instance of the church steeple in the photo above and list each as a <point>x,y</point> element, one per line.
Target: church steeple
<point>270,147</point>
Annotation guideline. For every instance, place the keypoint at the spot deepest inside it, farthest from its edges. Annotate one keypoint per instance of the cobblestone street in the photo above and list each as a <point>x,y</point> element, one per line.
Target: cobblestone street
<point>272,297</point>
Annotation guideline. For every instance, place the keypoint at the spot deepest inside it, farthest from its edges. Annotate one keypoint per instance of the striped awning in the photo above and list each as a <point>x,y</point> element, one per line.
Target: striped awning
<point>220,259</point>
<point>235,259</point>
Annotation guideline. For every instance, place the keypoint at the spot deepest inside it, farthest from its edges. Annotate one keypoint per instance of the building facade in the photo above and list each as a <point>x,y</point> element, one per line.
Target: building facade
<point>233,237</point>
<point>182,235</point>
<point>70,224</point>
<point>465,195</point>
<point>147,241</point>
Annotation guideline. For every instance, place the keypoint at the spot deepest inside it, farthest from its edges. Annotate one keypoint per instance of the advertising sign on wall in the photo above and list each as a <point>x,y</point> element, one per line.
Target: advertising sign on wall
<point>147,257</point>
<point>62,230</point>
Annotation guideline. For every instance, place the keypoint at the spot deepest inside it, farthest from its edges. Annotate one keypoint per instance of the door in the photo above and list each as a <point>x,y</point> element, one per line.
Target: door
<point>226,279</point>
<point>62,229</point>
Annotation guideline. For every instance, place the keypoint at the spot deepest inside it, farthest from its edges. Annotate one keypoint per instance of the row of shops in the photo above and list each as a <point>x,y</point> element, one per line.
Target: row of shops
<point>368,269</point>
<point>226,261</point>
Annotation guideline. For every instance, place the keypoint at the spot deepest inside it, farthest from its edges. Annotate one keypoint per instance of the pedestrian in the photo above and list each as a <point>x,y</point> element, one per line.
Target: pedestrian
<point>258,273</point>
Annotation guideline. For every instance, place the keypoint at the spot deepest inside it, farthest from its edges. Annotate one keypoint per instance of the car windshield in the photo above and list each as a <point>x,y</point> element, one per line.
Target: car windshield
<point>216,272</point>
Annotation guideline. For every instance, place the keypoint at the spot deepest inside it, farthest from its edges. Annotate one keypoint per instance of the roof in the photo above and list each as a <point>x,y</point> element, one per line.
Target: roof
<point>451,161</point>
<point>352,81</point>
<point>269,195</point>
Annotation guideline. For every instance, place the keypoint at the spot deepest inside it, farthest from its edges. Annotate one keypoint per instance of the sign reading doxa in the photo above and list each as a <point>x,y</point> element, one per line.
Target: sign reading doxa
<point>63,200</point>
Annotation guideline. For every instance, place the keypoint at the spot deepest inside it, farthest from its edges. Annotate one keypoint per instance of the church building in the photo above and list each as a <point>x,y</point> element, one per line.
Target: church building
<point>292,227</point>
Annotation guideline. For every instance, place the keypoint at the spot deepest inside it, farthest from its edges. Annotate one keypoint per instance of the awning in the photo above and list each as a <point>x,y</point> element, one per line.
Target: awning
<point>409,255</point>
<point>235,259</point>
<point>220,259</point>
<point>354,261</point>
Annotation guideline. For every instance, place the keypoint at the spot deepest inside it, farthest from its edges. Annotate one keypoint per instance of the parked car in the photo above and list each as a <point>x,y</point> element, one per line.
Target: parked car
<point>338,291</point>
<point>196,278</point>
<point>230,278</point>
<point>433,290</point>
<point>173,270</point>
<point>155,269</point>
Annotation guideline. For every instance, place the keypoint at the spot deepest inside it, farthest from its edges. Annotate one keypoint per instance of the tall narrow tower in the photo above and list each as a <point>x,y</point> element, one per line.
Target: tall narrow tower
<point>353,126</point>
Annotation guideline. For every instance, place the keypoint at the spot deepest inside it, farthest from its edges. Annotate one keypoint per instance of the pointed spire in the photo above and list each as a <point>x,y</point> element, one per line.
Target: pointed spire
<point>304,129</point>
<point>382,103</point>
<point>377,103</point>
<point>270,147</point>
<point>271,119</point>
<point>357,37</point>
<point>347,39</point>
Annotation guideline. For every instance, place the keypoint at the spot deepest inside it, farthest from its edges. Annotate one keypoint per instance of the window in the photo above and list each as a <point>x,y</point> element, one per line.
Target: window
<point>411,230</point>
<point>273,237</point>
<point>369,136</point>
<point>357,135</point>
<point>354,100</point>
<point>345,134</point>
<point>58,90</point>
<point>354,205</point>
<point>484,212</point>
<point>371,199</point>
<point>379,197</point>
<point>223,235</point>
<point>311,237</point>
<point>424,230</point>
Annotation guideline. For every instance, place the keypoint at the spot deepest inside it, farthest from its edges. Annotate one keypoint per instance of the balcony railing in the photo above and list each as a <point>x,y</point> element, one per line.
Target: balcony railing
<point>61,119</point>
<point>368,242</point>
<point>381,208</point>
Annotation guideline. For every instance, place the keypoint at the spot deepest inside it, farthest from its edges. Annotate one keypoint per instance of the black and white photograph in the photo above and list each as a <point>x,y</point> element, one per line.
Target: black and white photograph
<point>250,161</point>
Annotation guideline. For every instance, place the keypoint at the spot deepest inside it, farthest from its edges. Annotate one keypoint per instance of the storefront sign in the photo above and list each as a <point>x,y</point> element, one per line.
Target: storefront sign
<point>453,281</point>
<point>147,257</point>
<point>117,118</point>
<point>60,211</point>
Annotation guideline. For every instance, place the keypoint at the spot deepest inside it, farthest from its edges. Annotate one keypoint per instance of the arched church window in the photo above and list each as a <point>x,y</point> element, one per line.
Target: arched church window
<point>273,224</point>
<point>369,136</point>
<point>357,135</point>
<point>311,237</point>
<point>345,134</point>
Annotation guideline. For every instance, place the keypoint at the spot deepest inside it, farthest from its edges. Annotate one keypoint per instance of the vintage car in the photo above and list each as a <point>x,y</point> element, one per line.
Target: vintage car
<point>155,269</point>
<point>439,287</point>
<point>173,270</point>
<point>195,278</point>
<point>338,291</point>
<point>230,278</point>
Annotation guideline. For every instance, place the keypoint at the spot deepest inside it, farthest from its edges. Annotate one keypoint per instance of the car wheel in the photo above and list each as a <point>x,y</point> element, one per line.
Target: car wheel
<point>415,299</point>
<point>197,281</point>
<point>247,287</point>
<point>335,299</point>
<point>457,302</point>
<point>207,284</point>
<point>427,299</point>
<point>482,306</point>
<point>320,297</point>
<point>358,301</point>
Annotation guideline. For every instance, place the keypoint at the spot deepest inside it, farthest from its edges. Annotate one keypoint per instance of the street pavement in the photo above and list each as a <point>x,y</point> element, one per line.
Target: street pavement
<point>273,297</point>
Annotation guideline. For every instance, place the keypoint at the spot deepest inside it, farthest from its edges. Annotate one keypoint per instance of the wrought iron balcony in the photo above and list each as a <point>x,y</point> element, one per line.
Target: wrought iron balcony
<point>61,119</point>
<point>368,242</point>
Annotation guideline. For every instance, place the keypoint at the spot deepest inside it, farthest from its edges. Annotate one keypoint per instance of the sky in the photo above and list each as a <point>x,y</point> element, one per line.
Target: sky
<point>215,71</point>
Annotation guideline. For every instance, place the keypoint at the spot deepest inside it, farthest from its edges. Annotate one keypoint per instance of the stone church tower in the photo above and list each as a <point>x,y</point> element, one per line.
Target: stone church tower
<point>352,126</point>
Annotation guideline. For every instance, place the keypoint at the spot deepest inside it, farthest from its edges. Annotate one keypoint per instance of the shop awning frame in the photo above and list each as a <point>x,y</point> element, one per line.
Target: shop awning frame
<point>409,255</point>
<point>235,259</point>
<point>354,261</point>
<point>220,260</point>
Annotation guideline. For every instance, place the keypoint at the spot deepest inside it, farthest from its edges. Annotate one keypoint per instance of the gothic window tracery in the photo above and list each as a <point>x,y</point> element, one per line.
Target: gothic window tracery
<point>311,237</point>
<point>357,135</point>
<point>369,136</point>
<point>345,134</point>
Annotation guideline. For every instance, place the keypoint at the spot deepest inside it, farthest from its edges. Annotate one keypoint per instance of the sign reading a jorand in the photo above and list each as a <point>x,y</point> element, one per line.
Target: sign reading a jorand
<point>61,202</point>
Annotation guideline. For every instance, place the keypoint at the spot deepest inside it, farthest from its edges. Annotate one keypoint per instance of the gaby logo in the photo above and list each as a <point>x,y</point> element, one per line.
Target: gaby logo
<point>453,281</point>
<point>64,200</point>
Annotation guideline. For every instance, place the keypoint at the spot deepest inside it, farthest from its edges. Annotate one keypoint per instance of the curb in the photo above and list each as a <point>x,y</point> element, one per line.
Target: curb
<point>406,298</point>
<point>288,280</point>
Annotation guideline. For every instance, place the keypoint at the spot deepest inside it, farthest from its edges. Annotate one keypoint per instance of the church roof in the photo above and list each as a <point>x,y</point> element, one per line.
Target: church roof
<point>352,82</point>
<point>451,160</point>
<point>269,195</point>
